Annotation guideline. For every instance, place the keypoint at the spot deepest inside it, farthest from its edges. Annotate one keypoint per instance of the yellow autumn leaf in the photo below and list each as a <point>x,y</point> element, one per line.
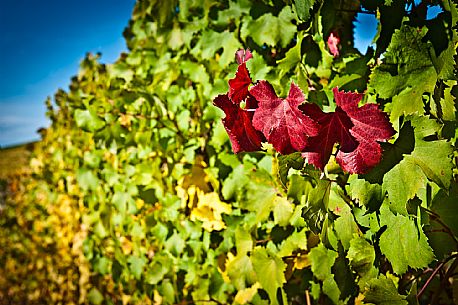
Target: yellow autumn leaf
<point>359,299</point>
<point>197,179</point>
<point>246,295</point>
<point>301,262</point>
<point>230,257</point>
<point>209,209</point>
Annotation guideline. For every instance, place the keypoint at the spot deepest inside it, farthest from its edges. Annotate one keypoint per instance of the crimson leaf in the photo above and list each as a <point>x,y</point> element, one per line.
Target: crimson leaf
<point>356,129</point>
<point>280,120</point>
<point>334,128</point>
<point>333,44</point>
<point>242,56</point>
<point>238,124</point>
<point>238,86</point>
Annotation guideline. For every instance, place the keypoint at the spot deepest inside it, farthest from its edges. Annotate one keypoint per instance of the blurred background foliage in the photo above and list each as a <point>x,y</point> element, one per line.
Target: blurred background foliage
<point>133,196</point>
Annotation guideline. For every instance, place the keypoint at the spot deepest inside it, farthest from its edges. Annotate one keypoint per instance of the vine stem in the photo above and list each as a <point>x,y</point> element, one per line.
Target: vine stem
<point>436,270</point>
<point>263,241</point>
<point>434,216</point>
<point>419,294</point>
<point>449,272</point>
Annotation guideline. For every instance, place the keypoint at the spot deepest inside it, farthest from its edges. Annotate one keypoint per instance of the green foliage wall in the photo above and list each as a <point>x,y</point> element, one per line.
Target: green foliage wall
<point>158,208</point>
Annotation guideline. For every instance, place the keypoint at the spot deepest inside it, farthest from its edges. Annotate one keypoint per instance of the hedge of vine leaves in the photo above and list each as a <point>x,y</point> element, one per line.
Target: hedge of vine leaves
<point>137,196</point>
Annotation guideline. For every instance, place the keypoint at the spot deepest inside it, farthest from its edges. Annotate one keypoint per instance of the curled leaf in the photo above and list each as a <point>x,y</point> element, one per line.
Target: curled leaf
<point>242,56</point>
<point>333,44</point>
<point>238,86</point>
<point>238,124</point>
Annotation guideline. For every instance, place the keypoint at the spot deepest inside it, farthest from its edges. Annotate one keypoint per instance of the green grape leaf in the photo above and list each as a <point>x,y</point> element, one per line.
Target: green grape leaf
<point>345,225</point>
<point>331,289</point>
<point>167,291</point>
<point>286,162</point>
<point>259,195</point>
<point>196,72</point>
<point>298,186</point>
<point>402,183</point>
<point>258,67</point>
<point>432,156</point>
<point>240,271</point>
<point>428,160</point>
<point>233,13</point>
<point>88,120</point>
<point>403,243</point>
<point>445,63</point>
<point>271,30</point>
<point>315,290</point>
<point>303,8</point>
<point>382,291</point>
<point>317,203</point>
<point>243,241</point>
<point>451,7</point>
<point>406,72</point>
<point>283,210</point>
<point>176,38</point>
<point>270,272</point>
<point>175,244</point>
<point>136,265</point>
<point>291,60</point>
<point>322,260</point>
<point>445,108</point>
<point>210,43</point>
<point>87,179</point>
<point>297,240</point>
<point>94,296</point>
<point>237,179</point>
<point>121,70</point>
<point>363,192</point>
<point>102,265</point>
<point>361,255</point>
<point>155,272</point>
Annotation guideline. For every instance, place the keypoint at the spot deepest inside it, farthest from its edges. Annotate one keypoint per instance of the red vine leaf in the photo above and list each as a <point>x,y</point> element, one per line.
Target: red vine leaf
<point>242,56</point>
<point>333,44</point>
<point>238,86</point>
<point>370,125</point>
<point>280,120</point>
<point>359,161</point>
<point>334,128</point>
<point>238,124</point>
<point>356,129</point>
<point>369,121</point>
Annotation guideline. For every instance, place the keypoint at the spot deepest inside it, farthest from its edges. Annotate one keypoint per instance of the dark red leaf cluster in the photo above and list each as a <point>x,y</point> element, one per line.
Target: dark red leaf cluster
<point>292,124</point>
<point>357,129</point>
<point>239,122</point>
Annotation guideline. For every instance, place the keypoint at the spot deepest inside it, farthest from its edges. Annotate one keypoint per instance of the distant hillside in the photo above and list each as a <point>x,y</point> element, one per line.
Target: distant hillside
<point>15,159</point>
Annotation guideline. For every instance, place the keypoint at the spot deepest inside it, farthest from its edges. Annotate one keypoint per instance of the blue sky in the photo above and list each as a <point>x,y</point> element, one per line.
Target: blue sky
<point>41,45</point>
